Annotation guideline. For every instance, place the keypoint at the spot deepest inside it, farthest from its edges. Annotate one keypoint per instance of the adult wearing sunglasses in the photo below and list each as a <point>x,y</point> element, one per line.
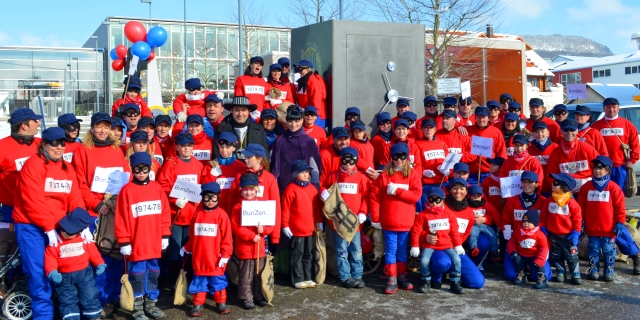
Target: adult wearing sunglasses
<point>402,106</point>
<point>380,141</point>
<point>560,113</point>
<point>132,95</point>
<point>130,115</point>
<point>252,85</point>
<point>203,144</point>
<point>431,112</point>
<point>192,101</point>
<point>455,141</point>
<point>588,134</point>
<point>516,107</point>
<point>286,70</point>
<point>71,126</point>
<point>224,168</point>
<point>495,117</point>
<point>537,113</point>
<point>311,90</point>
<point>467,118</point>
<point>46,190</point>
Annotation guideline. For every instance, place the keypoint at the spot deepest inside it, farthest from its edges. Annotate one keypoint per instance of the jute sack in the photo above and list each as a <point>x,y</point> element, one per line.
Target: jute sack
<point>181,293</point>
<point>320,257</point>
<point>267,279</point>
<point>126,293</point>
<point>105,234</point>
<point>232,270</point>
<point>344,220</point>
<point>378,243</point>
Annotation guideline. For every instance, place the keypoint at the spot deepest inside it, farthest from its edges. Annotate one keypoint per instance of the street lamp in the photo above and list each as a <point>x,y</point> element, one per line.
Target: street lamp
<point>97,77</point>
<point>636,37</point>
<point>186,59</point>
<point>149,2</point>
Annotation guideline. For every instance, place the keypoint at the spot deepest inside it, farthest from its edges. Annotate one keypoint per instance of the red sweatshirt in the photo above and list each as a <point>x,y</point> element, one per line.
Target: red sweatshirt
<point>70,149</point>
<point>354,189</point>
<point>601,210</point>
<point>139,101</point>
<point>315,95</point>
<point>491,190</point>
<point>12,158</point>
<point>175,168</point>
<point>225,180</point>
<point>580,157</point>
<point>543,158</point>
<point>432,155</point>
<point>614,131</point>
<point>555,134</point>
<point>285,95</point>
<point>498,150</point>
<point>71,255</point>
<point>561,220</point>
<point>301,209</point>
<point>365,153</point>
<point>511,168</point>
<point>437,119</point>
<point>466,122</point>
<point>443,222</point>
<point>195,102</point>
<point>203,148</point>
<point>381,154</point>
<point>489,212</point>
<point>465,219</point>
<point>245,247</point>
<point>143,219</point>
<point>252,87</point>
<point>514,209</point>
<point>210,239</point>
<point>330,160</point>
<point>594,138</point>
<point>317,133</point>
<point>534,245</point>
<point>457,143</point>
<point>395,213</point>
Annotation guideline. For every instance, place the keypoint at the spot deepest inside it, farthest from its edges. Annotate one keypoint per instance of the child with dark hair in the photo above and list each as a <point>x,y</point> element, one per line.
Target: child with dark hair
<point>528,247</point>
<point>486,216</point>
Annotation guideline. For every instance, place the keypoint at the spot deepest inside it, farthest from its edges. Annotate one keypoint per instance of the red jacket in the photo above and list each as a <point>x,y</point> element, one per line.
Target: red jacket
<point>70,149</point>
<point>601,210</point>
<point>534,245</point>
<point>175,168</point>
<point>614,131</point>
<point>144,109</point>
<point>457,143</point>
<point>498,150</point>
<point>555,134</point>
<point>315,95</point>
<point>514,209</point>
<point>45,193</point>
<point>561,220</point>
<point>580,157</point>
<point>381,153</point>
<point>330,160</point>
<point>203,148</point>
<point>301,209</point>
<point>210,239</point>
<point>466,122</point>
<point>491,190</point>
<point>252,87</point>
<point>465,219</point>
<point>365,154</point>
<point>437,119</point>
<point>285,95</point>
<point>317,133</point>
<point>195,102</point>
<point>143,219</point>
<point>444,223</point>
<point>395,213</point>
<point>511,168</point>
<point>543,158</point>
<point>71,255</point>
<point>225,180</point>
<point>489,212</point>
<point>12,158</point>
<point>245,247</point>
<point>354,189</point>
<point>594,138</point>
<point>432,155</point>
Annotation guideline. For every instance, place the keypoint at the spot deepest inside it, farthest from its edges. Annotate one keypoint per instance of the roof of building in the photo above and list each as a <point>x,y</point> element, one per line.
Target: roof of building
<point>623,92</point>
<point>568,58</point>
<point>536,66</point>
<point>597,62</point>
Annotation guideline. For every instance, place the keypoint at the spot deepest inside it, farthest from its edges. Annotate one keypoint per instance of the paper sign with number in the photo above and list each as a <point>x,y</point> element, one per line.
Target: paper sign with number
<point>185,189</point>
<point>258,212</point>
<point>510,186</point>
<point>109,180</point>
<point>451,160</point>
<point>482,146</point>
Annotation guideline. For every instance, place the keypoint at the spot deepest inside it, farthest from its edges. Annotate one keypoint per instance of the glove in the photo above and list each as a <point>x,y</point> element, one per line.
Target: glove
<point>507,234</point>
<point>86,235</point>
<point>321,226</point>
<point>125,250</point>
<point>183,251</point>
<point>55,276</point>
<point>574,237</point>
<point>216,171</point>
<point>54,238</point>
<point>181,116</point>
<point>100,269</point>
<point>362,217</point>
<point>618,228</point>
<point>325,195</point>
<point>428,173</point>
<point>515,257</point>
<point>376,225</point>
<point>255,114</point>
<point>220,95</point>
<point>392,188</point>
<point>180,203</point>
<point>275,102</point>
<point>415,252</point>
<point>444,172</point>
<point>459,250</point>
<point>544,230</point>
<point>287,232</point>
<point>223,261</point>
<point>165,243</point>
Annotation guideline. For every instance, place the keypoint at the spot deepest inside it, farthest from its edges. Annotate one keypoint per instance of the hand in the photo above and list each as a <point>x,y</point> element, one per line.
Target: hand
<point>325,195</point>
<point>514,255</point>
<point>462,130</point>
<point>183,251</point>
<point>104,209</point>
<point>223,262</point>
<point>428,173</point>
<point>415,252</point>
<point>459,250</point>
<point>480,220</point>
<point>618,228</point>
<point>444,172</point>
<point>86,235</point>
<point>321,226</point>
<point>574,237</point>
<point>275,102</point>
<point>216,171</point>
<point>371,174</point>
<point>260,229</point>
<point>255,114</point>
<point>507,234</point>
<point>544,230</point>
<point>185,106</point>
<point>376,225</point>
<point>392,188</point>
<point>125,250</point>
<point>287,232</point>
<point>165,243</point>
<point>55,276</point>
<point>100,269</point>
<point>180,203</point>
<point>181,116</point>
<point>628,164</point>
<point>362,217</point>
<point>257,238</point>
<point>54,238</point>
<point>432,239</point>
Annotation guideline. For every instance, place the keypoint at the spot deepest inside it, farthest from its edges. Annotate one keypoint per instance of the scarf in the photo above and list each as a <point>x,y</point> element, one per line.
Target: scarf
<point>137,100</point>
<point>46,155</point>
<point>561,198</point>
<point>226,161</point>
<point>277,82</point>
<point>601,183</point>
<point>345,173</point>
<point>257,172</point>
<point>583,127</point>
<point>508,134</point>
<point>303,82</point>
<point>529,232</point>
<point>200,138</point>
<point>28,140</point>
<point>494,177</point>
<point>519,157</point>
<point>386,136</point>
<point>236,124</point>
<point>542,145</point>
<point>100,143</point>
<point>183,159</point>
<point>476,203</point>
<point>528,200</point>
<point>301,183</point>
<point>271,137</point>
<point>568,147</point>
<point>436,210</point>
<point>139,182</point>
<point>454,204</point>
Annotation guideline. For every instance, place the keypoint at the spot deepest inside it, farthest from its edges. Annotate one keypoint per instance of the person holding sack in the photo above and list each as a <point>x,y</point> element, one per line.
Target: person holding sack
<point>143,228</point>
<point>224,168</point>
<point>211,244</point>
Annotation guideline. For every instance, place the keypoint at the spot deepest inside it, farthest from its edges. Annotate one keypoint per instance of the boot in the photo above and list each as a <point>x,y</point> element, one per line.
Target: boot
<point>456,288</point>
<point>199,300</point>
<point>403,282</point>
<point>475,252</point>
<point>391,270</point>
<point>521,278</point>
<point>576,279</point>
<point>436,285</point>
<point>196,311</point>
<point>107,311</point>
<point>220,297</point>
<point>636,264</point>
<point>608,274</point>
<point>593,271</point>
<point>559,277</point>
<point>350,283</point>
<point>151,310</point>
<point>138,309</point>
<point>424,288</point>
<point>542,281</point>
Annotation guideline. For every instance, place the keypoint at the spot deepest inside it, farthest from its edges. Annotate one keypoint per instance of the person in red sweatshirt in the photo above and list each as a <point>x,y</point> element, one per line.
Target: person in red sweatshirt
<point>69,268</point>
<point>381,140</point>
<point>495,116</point>
<point>191,102</point>
<point>491,185</point>
<point>143,228</point>
<point>486,217</point>
<point>510,128</point>
<point>537,114</point>
<point>162,138</point>
<point>360,141</point>
<point>588,134</point>
<point>414,131</point>
<point>401,135</point>
<point>516,206</point>
<point>132,95</point>
<point>528,247</point>
<point>330,155</point>
<point>130,115</point>
<point>225,168</point>
<point>456,142</point>
<point>430,112</point>
<point>252,85</point>
<point>561,220</point>
<point>202,144</point>
<point>148,125</point>
<point>392,207</point>
<point>541,148</point>
<point>467,118</point>
<point>117,129</point>
<point>521,160</point>
<point>432,152</point>
<point>247,242</point>
<point>140,143</point>
<point>211,245</point>
<point>71,126</point>
<point>274,80</point>
<point>354,189</point>
<point>316,132</point>
<point>483,129</point>
<point>402,106</point>
<point>311,90</point>
<point>436,228</point>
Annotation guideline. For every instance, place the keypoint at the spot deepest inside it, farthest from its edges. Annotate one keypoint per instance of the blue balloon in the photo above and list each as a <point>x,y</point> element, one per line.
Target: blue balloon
<point>141,49</point>
<point>156,36</point>
<point>113,54</point>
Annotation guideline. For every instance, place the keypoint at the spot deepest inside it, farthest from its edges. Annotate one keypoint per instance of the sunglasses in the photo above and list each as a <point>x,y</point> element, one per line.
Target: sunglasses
<point>384,123</point>
<point>209,197</point>
<point>569,129</point>
<point>144,169</point>
<point>55,143</point>
<point>560,113</point>
<point>503,101</point>
<point>431,104</point>
<point>352,116</point>
<point>309,114</point>
<point>494,108</point>
<point>435,199</point>
<point>556,183</point>
<point>225,143</point>
<point>514,110</point>
<point>463,103</point>
<point>349,161</point>
<point>194,89</point>
<point>400,156</point>
<point>449,106</point>
<point>600,166</point>
<point>132,114</point>
<point>286,65</point>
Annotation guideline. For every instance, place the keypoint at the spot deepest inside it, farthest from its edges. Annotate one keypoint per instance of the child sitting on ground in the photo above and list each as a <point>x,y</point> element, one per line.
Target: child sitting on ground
<point>485,217</point>
<point>528,247</point>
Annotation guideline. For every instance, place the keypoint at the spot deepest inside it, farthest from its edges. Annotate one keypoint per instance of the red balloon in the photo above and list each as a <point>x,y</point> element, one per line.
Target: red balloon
<point>151,56</point>
<point>135,31</point>
<point>121,51</point>
<point>366,243</point>
<point>117,65</point>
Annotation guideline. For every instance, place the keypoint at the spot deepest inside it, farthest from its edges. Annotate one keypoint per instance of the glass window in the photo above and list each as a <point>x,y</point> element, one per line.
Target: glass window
<point>232,44</point>
<point>284,41</point>
<point>602,73</point>
<point>116,35</point>
<point>634,69</point>
<point>16,54</point>
<point>165,49</point>
<point>264,42</point>
<point>176,42</point>
<point>607,73</point>
<point>274,42</point>
<point>225,80</point>
<point>210,42</point>
<point>190,45</point>
<point>595,73</point>
<point>627,70</point>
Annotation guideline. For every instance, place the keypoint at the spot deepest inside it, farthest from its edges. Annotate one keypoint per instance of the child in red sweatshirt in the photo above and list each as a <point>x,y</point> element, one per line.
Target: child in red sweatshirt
<point>211,242</point>
<point>483,210</point>
<point>528,247</point>
<point>68,266</point>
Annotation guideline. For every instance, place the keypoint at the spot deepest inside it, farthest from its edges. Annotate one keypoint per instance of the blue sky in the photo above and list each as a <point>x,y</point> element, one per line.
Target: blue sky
<point>71,22</point>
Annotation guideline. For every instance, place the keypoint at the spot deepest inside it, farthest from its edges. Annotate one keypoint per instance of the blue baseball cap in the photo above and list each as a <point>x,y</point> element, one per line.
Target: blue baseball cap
<point>428,122</point>
<point>430,99</point>
<point>284,60</point>
<point>299,166</point>
<point>75,221</point>
<point>358,125</point>
<point>311,109</point>
<point>608,101</point>
<point>461,166</point>
<point>212,97</point>
<point>410,115</point>
<point>138,158</point>
<point>583,110</point>
<point>498,161</point>
<point>566,178</point>
<point>249,180</point>
<point>536,102</point>
<point>401,122</point>
<point>493,104</point>
<point>99,117</point>
<point>349,150</point>
<point>23,114</point>
<point>352,110</point>
<point>163,118</point>
<point>383,116</point>
<point>450,100</point>
<point>192,83</point>
<point>505,96</point>
<point>67,118</point>
<point>475,189</point>
<point>468,100</point>
<point>482,111</point>
<point>184,138</point>
<point>211,187</point>
<point>254,149</point>
<point>559,107</point>
<point>449,113</point>
<point>134,83</point>
<point>275,66</point>
<point>437,192</point>
<point>146,121</point>
<point>520,138</point>
<point>568,124</point>
<point>266,113</point>
<point>515,105</point>
<point>340,132</point>
<point>510,116</point>
<point>138,135</point>
<point>402,102</point>
<point>304,63</point>
<point>530,175</point>
<point>117,122</point>
<point>194,118</point>
<point>540,125</point>
<point>454,181</point>
<point>604,160</point>
<point>256,59</point>
<point>130,106</point>
<point>399,148</point>
<point>227,136</point>
<point>52,134</point>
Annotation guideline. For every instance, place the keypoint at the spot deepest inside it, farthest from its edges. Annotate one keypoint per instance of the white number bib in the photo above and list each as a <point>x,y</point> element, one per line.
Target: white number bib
<point>225,183</point>
<point>52,185</point>
<point>494,191</point>
<point>439,224</point>
<point>20,162</point>
<point>462,225</point>
<point>543,160</point>
<point>528,243</point>
<point>510,151</point>
<point>68,157</point>
<point>434,154</point>
<point>455,150</point>
<point>202,155</point>
<point>205,229</point>
<point>348,188</point>
<point>146,208</point>
<point>254,90</point>
<point>159,158</point>
<point>555,208</point>
<point>515,173</point>
<point>479,212</point>
<point>71,250</point>
<point>595,195</point>
<point>188,177</point>
<point>609,132</point>
<point>517,214</point>
<point>575,166</point>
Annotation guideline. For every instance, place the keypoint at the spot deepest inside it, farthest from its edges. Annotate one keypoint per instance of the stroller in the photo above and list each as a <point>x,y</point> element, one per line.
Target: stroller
<point>16,302</point>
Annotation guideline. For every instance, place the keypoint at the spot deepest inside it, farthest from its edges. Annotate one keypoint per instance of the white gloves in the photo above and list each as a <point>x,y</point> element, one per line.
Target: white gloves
<point>376,225</point>
<point>86,235</point>
<point>325,195</point>
<point>507,234</point>
<point>183,251</point>
<point>125,250</point>
<point>415,252</point>
<point>180,203</point>
<point>220,95</point>
<point>428,173</point>
<point>444,172</point>
<point>255,115</point>
<point>222,262</point>
<point>287,232</point>
<point>54,238</point>
<point>181,116</point>
<point>459,250</point>
<point>275,102</point>
<point>216,171</point>
<point>392,188</point>
<point>165,243</point>
<point>321,226</point>
<point>362,217</point>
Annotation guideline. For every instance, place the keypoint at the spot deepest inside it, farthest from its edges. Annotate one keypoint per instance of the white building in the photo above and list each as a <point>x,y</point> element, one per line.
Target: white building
<point>616,69</point>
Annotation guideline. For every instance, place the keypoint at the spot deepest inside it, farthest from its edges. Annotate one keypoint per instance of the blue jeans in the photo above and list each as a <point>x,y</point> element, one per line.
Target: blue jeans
<point>209,284</point>
<point>486,230</point>
<point>108,283</point>
<point>606,245</point>
<point>396,244</point>
<point>179,237</point>
<point>422,203</point>
<point>32,242</point>
<point>78,287</point>
<point>349,256</point>
<point>511,270</point>
<point>441,263</point>
<point>143,276</point>
<point>473,178</point>
<point>425,258</point>
<point>619,176</point>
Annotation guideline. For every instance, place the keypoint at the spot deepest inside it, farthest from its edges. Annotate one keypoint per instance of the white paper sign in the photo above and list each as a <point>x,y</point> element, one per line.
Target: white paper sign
<point>482,146</point>
<point>510,186</point>
<point>465,87</point>
<point>109,180</point>
<point>577,91</point>
<point>184,189</point>
<point>451,160</point>
<point>258,212</point>
<point>448,86</point>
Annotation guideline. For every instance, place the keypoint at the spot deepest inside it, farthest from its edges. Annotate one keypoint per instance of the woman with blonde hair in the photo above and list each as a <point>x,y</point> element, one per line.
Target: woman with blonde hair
<point>140,143</point>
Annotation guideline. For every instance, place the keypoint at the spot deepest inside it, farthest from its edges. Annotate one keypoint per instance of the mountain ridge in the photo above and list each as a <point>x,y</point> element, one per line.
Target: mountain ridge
<point>550,46</point>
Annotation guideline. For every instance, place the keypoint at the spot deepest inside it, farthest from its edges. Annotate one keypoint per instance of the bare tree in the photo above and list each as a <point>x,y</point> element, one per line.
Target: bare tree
<point>171,67</point>
<point>254,15</point>
<point>307,12</point>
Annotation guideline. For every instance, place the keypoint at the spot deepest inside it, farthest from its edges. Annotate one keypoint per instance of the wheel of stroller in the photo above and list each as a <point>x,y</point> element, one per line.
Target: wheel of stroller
<point>370,263</point>
<point>17,306</point>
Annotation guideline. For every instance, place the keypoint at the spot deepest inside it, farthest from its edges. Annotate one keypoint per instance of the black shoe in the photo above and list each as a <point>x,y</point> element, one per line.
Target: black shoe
<point>436,285</point>
<point>222,308</point>
<point>350,283</point>
<point>542,281</point>
<point>248,304</point>
<point>404,283</point>
<point>359,283</point>
<point>424,288</point>
<point>636,264</point>
<point>196,311</point>
<point>576,279</point>
<point>261,302</point>
<point>392,286</point>
<point>559,278</point>
<point>456,287</point>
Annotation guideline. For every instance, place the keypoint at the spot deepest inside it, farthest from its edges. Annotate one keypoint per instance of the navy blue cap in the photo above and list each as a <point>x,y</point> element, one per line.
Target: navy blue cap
<point>304,63</point>
<point>52,134</point>
<point>249,180</point>
<point>450,100</point>
<point>520,138</point>
<point>604,160</point>
<point>266,113</point>
<point>532,216</point>
<point>340,132</point>
<point>163,118</point>
<point>254,149</point>
<point>428,122</point>
<point>497,161</point>
<point>454,181</point>
<point>468,100</point>
<point>67,118</point>
<point>569,124</point>
<point>130,106</point>
<point>583,110</point>
<point>449,113</point>
<point>212,97</point>
<point>475,189</point>
<point>134,83</point>
<point>99,117</point>
<point>146,121</point>
<point>275,66</point>
<point>540,125</point>
<point>461,166</point>
<point>194,118</point>
<point>515,105</point>
<point>505,96</point>
<point>357,125</point>
<point>138,135</point>
<point>75,221</point>
<point>401,122</point>
<point>256,59</point>
<point>299,166</point>
<point>566,178</point>
<point>482,111</point>
<point>437,192</point>
<point>192,83</point>
<point>410,115</point>
<point>117,122</point>
<point>559,107</point>
<point>403,102</point>
<point>399,148</point>
<point>227,136</point>
<point>529,175</point>
<point>493,103</point>
<point>349,150</point>
<point>383,116</point>
<point>284,60</point>
<point>430,99</point>
<point>536,102</point>
<point>352,110</point>
<point>23,114</point>
<point>510,116</point>
<point>184,138</point>
<point>311,109</point>
<point>138,158</point>
<point>610,101</point>
<point>211,187</point>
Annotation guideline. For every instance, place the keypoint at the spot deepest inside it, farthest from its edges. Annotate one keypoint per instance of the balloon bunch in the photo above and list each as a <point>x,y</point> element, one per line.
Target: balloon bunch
<point>143,43</point>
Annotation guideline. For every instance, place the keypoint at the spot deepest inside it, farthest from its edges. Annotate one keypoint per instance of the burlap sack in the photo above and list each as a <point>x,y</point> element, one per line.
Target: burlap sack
<point>267,279</point>
<point>332,260</point>
<point>320,257</point>
<point>344,220</point>
<point>126,293</point>
<point>378,243</point>
<point>105,234</point>
<point>630,185</point>
<point>281,109</point>
<point>232,270</point>
<point>182,286</point>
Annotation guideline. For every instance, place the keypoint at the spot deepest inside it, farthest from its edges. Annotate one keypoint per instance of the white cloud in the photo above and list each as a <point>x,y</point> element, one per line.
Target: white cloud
<point>530,9</point>
<point>4,38</point>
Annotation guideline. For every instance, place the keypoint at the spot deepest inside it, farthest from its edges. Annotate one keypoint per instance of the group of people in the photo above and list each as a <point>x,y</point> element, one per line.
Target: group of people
<point>55,191</point>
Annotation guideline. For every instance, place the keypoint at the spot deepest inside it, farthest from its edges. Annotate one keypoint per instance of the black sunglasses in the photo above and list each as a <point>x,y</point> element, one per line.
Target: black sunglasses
<point>449,106</point>
<point>209,197</point>
<point>569,129</point>
<point>559,113</point>
<point>435,199</point>
<point>349,161</point>
<point>132,114</point>
<point>309,114</point>
<point>194,89</point>
<point>400,156</point>
<point>285,65</point>
<point>408,120</point>
<point>55,143</point>
<point>503,101</point>
<point>494,108</point>
<point>226,143</point>
<point>431,104</point>
<point>514,110</point>
<point>600,166</point>
<point>144,169</point>
<point>384,123</point>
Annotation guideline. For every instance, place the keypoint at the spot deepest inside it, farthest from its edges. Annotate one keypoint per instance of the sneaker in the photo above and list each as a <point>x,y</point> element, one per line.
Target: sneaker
<point>636,264</point>
<point>196,311</point>
<point>392,286</point>
<point>300,285</point>
<point>350,283</point>
<point>456,288</point>
<point>520,279</point>
<point>404,283</point>
<point>576,279</point>
<point>436,285</point>
<point>559,278</point>
<point>311,284</point>
<point>475,252</point>
<point>248,304</point>
<point>495,256</point>
<point>261,302</point>
<point>542,282</point>
<point>222,308</point>
<point>424,288</point>
<point>359,283</point>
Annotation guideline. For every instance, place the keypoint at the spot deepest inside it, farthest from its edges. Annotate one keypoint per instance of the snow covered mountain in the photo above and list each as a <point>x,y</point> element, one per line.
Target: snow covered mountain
<point>549,46</point>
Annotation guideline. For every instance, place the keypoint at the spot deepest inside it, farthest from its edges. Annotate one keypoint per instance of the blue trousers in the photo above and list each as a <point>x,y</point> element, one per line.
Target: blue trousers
<point>396,246</point>
<point>606,245</point>
<point>32,242</point>
<point>484,245</point>
<point>179,237</point>
<point>78,287</point>
<point>626,244</point>
<point>511,273</point>
<point>7,213</point>
<point>349,256</point>
<point>108,283</point>
<point>143,276</point>
<point>422,203</point>
<point>619,175</point>
<point>470,277</point>
<point>425,258</point>
<point>473,178</point>
<point>209,284</point>
<point>486,231</point>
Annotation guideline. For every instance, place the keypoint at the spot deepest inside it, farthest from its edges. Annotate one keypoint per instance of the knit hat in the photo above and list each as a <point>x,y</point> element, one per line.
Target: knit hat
<point>531,216</point>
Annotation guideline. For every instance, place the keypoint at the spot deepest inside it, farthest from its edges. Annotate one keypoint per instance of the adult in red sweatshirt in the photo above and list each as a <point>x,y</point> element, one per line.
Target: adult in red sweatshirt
<point>202,144</point>
<point>537,114</point>
<point>528,247</point>
<point>491,186</point>
<point>456,142</point>
<point>311,90</point>
<point>541,148</point>
<point>191,102</point>
<point>224,169</point>
<point>330,155</point>
<point>274,80</point>
<point>314,131</point>
<point>588,134</point>
<point>430,112</point>
<point>516,206</point>
<point>483,129</point>
<point>382,138</point>
<point>521,160</point>
<point>71,126</point>
<point>252,85</point>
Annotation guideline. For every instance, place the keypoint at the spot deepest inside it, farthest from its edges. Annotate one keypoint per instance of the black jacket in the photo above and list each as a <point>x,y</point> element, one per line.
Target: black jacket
<point>255,134</point>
